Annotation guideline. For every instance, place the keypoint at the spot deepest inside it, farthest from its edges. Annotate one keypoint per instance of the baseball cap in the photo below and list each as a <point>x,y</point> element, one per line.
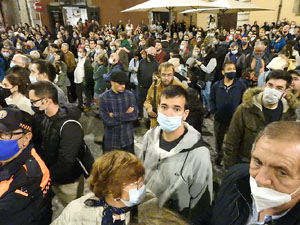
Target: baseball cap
<point>119,77</point>
<point>14,119</point>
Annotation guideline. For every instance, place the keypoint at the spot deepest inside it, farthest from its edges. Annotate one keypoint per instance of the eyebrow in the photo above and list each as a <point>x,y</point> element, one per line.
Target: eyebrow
<point>281,167</point>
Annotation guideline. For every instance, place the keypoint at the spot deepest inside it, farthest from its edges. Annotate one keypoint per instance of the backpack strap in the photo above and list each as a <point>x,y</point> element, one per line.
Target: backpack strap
<point>85,148</point>
<point>154,106</point>
<point>67,121</point>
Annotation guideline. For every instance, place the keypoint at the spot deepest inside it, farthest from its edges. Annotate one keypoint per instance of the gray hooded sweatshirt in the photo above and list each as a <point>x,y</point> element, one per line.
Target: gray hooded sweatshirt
<point>183,174</point>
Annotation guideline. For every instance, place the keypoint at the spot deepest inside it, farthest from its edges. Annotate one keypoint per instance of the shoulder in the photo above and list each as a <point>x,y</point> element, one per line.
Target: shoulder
<point>217,84</point>
<point>78,213</point>
<point>248,96</point>
<point>234,174</point>
<point>128,93</point>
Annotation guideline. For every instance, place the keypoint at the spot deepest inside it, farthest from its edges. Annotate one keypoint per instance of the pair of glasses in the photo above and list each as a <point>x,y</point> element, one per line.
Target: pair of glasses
<point>138,184</point>
<point>7,135</point>
<point>35,101</point>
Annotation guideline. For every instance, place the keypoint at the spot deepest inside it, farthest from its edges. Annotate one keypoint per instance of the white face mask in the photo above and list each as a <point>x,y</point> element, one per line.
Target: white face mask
<point>111,61</point>
<point>32,79</point>
<point>266,198</point>
<point>234,52</point>
<point>80,55</point>
<point>271,96</point>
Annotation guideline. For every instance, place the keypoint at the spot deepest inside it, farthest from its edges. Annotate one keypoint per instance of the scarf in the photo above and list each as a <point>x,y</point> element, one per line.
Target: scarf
<point>258,63</point>
<point>107,216</point>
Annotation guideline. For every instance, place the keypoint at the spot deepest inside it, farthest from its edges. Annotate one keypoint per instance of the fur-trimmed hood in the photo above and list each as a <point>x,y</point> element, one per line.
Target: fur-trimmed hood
<point>253,96</point>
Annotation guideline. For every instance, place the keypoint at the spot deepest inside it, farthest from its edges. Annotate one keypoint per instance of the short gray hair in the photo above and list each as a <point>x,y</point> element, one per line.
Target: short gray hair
<point>24,59</point>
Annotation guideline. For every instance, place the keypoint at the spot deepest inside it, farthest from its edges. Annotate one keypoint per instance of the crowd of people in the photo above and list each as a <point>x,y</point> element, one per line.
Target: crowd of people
<point>246,79</point>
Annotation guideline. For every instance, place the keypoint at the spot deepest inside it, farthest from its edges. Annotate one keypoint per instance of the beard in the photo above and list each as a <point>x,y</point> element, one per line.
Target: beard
<point>168,83</point>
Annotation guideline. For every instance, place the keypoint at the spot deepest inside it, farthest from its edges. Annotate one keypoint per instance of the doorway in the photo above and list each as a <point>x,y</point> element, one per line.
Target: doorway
<point>227,20</point>
<point>73,14</point>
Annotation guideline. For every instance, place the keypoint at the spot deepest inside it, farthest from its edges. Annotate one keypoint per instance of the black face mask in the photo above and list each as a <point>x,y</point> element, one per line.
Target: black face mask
<point>5,92</point>
<point>151,57</point>
<point>36,109</point>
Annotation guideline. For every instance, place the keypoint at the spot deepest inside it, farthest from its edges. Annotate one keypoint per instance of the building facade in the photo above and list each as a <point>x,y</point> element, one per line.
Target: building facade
<point>16,11</point>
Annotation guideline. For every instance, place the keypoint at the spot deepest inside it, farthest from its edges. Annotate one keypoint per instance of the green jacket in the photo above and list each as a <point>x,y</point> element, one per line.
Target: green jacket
<point>248,120</point>
<point>100,83</point>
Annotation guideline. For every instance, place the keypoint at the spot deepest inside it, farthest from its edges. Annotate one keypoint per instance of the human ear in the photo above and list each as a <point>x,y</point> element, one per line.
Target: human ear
<point>186,113</point>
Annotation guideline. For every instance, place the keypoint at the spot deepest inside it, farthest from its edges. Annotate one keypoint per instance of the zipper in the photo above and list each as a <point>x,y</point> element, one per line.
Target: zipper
<point>238,205</point>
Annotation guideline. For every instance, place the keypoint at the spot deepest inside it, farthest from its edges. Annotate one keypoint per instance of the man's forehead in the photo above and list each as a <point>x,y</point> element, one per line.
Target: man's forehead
<point>277,82</point>
<point>167,70</point>
<point>276,153</point>
<point>173,101</point>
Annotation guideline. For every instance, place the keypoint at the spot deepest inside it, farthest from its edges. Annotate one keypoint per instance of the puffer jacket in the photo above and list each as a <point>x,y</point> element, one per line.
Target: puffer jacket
<point>246,123</point>
<point>59,149</point>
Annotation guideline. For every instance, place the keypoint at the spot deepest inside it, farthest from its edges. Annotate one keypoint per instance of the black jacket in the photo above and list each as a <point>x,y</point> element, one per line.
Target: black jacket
<point>233,203</point>
<point>145,72</point>
<point>59,151</point>
<point>24,185</point>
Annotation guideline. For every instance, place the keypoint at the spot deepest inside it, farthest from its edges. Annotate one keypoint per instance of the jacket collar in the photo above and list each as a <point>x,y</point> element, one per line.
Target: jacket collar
<point>253,97</point>
<point>12,167</point>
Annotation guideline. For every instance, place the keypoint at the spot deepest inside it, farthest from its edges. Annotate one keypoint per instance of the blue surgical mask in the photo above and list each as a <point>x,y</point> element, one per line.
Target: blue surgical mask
<point>12,64</point>
<point>169,124</point>
<point>230,75</point>
<point>136,196</point>
<point>9,148</point>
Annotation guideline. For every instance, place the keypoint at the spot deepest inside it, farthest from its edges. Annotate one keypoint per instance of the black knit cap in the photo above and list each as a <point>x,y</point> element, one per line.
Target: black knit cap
<point>119,77</point>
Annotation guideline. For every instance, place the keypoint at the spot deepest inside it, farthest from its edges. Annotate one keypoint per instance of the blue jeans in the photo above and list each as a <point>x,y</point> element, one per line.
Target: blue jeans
<point>206,94</point>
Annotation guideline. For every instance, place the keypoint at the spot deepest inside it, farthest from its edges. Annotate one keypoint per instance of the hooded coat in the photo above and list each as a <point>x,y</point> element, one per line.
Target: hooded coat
<point>248,120</point>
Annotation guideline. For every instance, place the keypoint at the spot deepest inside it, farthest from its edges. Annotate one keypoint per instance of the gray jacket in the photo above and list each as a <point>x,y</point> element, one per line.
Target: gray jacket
<point>180,175</point>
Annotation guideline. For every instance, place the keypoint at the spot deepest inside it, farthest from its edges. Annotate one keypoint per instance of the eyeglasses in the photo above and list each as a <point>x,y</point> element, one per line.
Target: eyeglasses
<point>35,101</point>
<point>7,135</point>
<point>138,184</point>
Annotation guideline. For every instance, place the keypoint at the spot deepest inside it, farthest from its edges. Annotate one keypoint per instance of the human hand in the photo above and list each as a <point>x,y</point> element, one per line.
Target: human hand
<point>111,115</point>
<point>130,110</point>
<point>151,113</point>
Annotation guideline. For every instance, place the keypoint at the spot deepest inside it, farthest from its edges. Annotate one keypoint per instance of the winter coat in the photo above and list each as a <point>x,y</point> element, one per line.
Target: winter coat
<point>224,100</point>
<point>246,123</point>
<point>182,176</point>
<point>59,149</point>
<point>24,185</point>
<point>100,83</point>
<point>233,203</point>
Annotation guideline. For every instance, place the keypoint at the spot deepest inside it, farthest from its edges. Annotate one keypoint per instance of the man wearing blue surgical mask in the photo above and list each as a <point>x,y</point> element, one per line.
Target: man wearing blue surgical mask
<point>24,177</point>
<point>267,192</point>
<point>178,166</point>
